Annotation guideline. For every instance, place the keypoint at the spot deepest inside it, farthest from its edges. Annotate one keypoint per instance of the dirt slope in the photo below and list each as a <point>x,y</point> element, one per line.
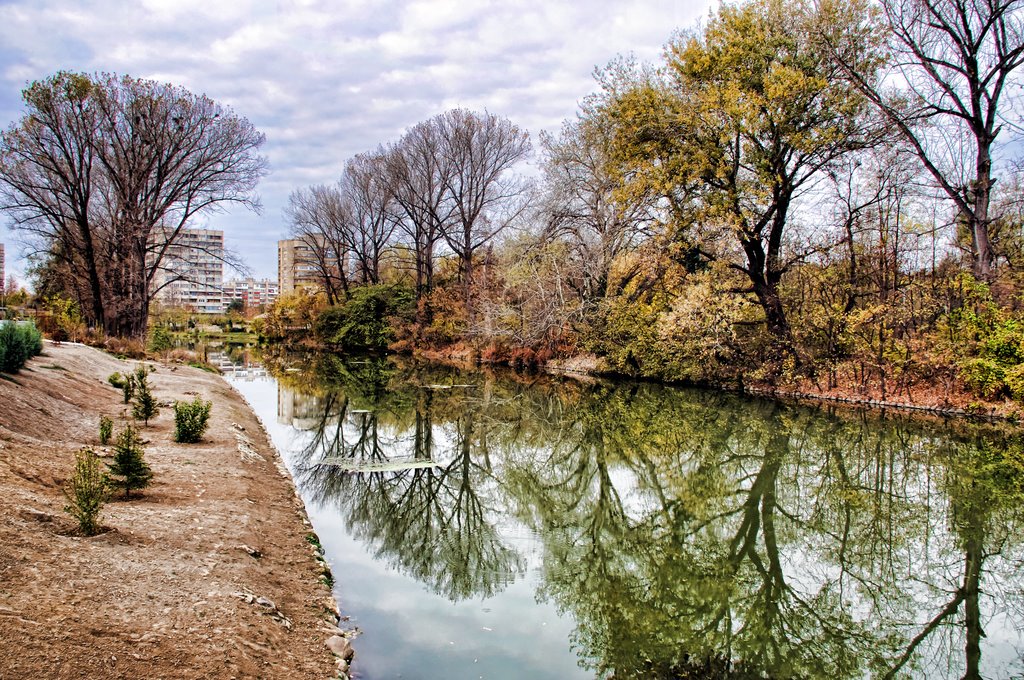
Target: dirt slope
<point>156,596</point>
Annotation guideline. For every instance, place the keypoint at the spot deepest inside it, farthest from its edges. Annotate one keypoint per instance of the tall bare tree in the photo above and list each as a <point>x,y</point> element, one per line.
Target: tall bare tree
<point>105,171</point>
<point>369,191</point>
<point>420,181</point>
<point>479,152</point>
<point>955,59</point>
<point>320,217</point>
<point>47,179</point>
<point>583,206</point>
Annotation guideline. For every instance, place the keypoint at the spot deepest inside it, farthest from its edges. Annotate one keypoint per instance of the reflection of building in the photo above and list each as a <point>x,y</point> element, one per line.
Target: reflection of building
<point>296,266</point>
<point>192,272</point>
<point>301,411</point>
<point>241,367</point>
<point>251,292</point>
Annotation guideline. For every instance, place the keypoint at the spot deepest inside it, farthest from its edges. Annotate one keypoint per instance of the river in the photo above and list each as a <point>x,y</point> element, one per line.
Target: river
<point>487,525</point>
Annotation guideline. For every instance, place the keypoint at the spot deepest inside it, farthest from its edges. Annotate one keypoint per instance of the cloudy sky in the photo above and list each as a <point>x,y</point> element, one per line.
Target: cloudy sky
<point>327,80</point>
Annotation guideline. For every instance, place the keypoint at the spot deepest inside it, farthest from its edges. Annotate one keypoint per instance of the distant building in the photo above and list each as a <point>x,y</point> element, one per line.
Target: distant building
<point>251,292</point>
<point>296,266</point>
<point>192,272</point>
<point>2,275</point>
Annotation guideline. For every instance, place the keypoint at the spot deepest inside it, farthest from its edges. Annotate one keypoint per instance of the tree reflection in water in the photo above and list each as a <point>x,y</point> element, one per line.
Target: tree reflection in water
<point>687,533</point>
<point>430,522</point>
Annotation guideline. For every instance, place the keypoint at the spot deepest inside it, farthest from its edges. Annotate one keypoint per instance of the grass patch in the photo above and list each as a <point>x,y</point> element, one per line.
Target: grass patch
<point>54,367</point>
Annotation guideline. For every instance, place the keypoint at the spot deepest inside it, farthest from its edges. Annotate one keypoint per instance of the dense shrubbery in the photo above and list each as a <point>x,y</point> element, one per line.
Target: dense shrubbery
<point>985,343</point>
<point>367,321</point>
<point>19,342</point>
<point>191,419</point>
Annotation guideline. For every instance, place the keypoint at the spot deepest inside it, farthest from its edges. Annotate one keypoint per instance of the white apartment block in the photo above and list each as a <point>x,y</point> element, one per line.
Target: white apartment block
<point>297,265</point>
<point>252,292</point>
<point>194,268</point>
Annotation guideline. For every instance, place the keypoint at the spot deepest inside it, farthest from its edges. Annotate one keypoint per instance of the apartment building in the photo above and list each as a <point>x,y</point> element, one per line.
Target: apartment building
<point>3,278</point>
<point>253,293</point>
<point>296,266</point>
<point>192,272</point>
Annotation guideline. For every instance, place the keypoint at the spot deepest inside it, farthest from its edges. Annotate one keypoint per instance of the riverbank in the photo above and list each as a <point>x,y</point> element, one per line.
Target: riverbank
<point>172,589</point>
<point>946,400</point>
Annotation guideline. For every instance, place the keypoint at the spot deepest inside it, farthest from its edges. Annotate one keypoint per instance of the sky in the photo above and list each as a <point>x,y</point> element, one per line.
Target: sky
<point>327,80</point>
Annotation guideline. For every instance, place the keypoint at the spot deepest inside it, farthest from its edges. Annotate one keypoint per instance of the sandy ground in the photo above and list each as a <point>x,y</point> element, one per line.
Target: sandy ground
<point>158,594</point>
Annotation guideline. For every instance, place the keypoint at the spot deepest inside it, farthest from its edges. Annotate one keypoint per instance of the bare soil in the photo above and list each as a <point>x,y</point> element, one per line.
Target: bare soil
<point>162,592</point>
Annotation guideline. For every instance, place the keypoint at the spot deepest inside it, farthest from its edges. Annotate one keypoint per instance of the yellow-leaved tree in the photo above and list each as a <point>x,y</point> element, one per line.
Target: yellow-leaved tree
<point>739,124</point>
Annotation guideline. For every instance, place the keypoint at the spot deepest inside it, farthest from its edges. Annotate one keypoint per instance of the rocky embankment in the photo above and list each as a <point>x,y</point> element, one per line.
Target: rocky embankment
<point>211,573</point>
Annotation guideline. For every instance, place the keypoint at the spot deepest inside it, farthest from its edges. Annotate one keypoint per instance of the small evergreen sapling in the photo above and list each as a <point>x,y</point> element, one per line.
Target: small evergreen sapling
<point>144,407</point>
<point>191,420</point>
<point>106,429</point>
<point>128,387</point>
<point>129,469</point>
<point>86,492</point>
<point>160,340</point>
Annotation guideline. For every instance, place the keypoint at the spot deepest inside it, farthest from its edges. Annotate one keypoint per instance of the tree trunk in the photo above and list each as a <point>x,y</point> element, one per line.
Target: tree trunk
<point>467,284</point>
<point>981,196</point>
<point>95,287</point>
<point>972,596</point>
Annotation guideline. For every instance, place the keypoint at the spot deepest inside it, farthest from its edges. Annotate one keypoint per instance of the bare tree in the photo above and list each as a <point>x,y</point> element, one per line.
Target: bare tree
<point>956,58</point>
<point>369,192</point>
<point>581,204</point>
<point>320,218</point>
<point>422,211</point>
<point>102,167</point>
<point>479,151</point>
<point>46,178</point>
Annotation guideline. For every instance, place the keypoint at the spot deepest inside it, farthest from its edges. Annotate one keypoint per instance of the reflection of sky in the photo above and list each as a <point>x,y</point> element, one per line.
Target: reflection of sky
<point>413,630</point>
<point>409,632</point>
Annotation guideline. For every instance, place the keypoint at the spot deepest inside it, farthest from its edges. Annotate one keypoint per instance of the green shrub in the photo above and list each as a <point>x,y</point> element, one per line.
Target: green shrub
<point>129,470</point>
<point>19,342</point>
<point>117,380</point>
<point>1013,378</point>
<point>106,429</point>
<point>1003,342</point>
<point>144,406</point>
<point>160,340</point>
<point>191,420</point>
<point>128,388</point>
<point>365,322</point>
<point>86,492</point>
<point>983,376</point>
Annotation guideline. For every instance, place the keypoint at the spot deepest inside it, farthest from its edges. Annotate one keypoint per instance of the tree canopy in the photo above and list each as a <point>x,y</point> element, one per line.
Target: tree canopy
<point>104,171</point>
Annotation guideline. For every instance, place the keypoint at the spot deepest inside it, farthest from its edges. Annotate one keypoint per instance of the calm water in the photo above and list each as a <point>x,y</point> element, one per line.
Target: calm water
<point>482,526</point>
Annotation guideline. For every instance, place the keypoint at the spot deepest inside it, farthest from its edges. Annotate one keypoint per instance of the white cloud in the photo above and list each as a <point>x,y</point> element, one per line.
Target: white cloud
<point>326,79</point>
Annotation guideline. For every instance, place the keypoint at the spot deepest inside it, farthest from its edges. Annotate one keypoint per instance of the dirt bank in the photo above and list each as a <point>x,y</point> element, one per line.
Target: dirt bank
<point>168,591</point>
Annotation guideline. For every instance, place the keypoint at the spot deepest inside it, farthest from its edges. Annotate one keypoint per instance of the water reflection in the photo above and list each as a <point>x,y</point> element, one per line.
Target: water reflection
<point>686,533</point>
